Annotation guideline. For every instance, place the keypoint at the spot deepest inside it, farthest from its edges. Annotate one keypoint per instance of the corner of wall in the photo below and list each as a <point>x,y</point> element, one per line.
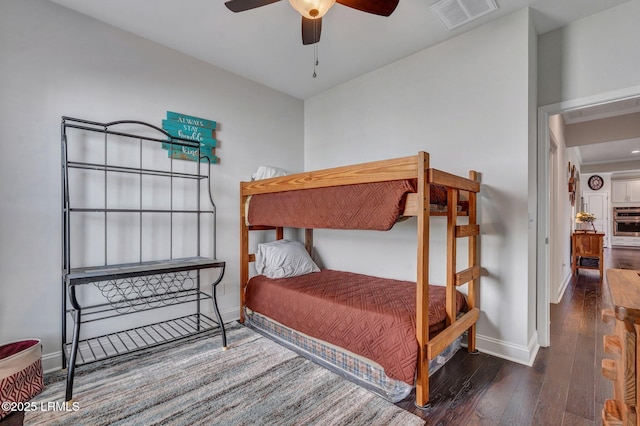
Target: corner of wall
<point>525,355</point>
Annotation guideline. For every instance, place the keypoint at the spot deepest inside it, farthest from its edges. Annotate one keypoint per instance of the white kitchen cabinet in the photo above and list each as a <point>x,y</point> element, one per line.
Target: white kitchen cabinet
<point>625,191</point>
<point>634,190</point>
<point>625,241</point>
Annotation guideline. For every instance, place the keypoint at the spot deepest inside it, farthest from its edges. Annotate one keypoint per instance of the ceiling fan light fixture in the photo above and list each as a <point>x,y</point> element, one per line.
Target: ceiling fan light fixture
<point>312,9</point>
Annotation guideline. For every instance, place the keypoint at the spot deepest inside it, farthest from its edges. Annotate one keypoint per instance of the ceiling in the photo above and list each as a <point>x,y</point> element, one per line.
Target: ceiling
<point>607,153</point>
<point>264,44</point>
<point>610,152</point>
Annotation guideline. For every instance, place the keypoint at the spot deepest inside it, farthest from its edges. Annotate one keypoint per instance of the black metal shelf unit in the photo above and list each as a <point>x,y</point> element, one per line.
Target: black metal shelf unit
<point>94,291</point>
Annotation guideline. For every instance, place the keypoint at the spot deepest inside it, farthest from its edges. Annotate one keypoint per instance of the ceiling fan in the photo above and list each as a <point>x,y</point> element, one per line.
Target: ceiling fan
<point>313,10</point>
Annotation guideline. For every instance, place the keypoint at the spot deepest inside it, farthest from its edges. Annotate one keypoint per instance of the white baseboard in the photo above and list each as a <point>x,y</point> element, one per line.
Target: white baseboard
<point>517,353</point>
<point>562,289</point>
<point>230,314</point>
<point>52,362</point>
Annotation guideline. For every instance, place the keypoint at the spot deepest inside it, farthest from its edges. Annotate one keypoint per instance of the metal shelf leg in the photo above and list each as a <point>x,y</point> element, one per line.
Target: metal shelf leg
<point>214,300</point>
<point>71,366</point>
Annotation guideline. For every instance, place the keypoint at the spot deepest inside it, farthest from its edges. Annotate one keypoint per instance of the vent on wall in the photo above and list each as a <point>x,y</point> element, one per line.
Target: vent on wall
<point>454,13</point>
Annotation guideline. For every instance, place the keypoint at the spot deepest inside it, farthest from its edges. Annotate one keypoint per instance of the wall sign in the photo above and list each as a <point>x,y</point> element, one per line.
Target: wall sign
<point>194,129</point>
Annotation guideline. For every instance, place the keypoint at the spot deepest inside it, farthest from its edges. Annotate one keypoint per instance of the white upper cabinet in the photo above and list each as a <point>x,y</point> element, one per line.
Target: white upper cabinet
<point>625,191</point>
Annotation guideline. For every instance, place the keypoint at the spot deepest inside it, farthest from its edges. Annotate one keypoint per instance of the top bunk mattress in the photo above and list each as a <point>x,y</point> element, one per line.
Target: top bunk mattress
<point>367,206</point>
<point>369,316</point>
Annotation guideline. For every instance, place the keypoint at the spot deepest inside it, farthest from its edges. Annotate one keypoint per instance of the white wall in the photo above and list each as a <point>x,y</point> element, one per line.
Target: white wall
<point>564,214</point>
<point>467,102</point>
<point>56,62</point>
<point>534,243</point>
<point>594,55</point>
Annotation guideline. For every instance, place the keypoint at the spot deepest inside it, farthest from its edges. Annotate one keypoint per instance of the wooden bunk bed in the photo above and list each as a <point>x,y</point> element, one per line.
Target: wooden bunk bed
<point>417,202</point>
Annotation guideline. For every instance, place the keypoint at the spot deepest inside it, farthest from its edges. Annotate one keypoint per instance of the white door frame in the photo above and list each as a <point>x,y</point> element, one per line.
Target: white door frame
<point>555,260</point>
<point>543,238</point>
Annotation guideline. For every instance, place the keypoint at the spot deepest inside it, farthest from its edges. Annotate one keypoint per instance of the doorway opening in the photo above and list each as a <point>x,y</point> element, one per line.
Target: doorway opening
<point>553,225</point>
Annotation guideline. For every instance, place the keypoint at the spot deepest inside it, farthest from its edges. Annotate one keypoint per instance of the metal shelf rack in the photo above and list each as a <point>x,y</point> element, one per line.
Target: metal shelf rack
<point>94,291</point>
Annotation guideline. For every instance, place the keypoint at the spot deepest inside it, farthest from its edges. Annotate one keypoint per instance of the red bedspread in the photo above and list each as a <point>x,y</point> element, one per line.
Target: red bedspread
<point>372,206</point>
<point>370,316</point>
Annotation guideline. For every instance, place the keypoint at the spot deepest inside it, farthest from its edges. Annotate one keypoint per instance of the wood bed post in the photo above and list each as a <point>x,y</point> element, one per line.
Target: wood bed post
<point>308,240</point>
<point>244,252</point>
<point>473,261</point>
<point>422,282</point>
<point>452,221</point>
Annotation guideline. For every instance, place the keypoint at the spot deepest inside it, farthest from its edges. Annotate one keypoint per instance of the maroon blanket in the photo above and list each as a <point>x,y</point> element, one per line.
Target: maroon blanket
<point>370,316</point>
<point>373,206</point>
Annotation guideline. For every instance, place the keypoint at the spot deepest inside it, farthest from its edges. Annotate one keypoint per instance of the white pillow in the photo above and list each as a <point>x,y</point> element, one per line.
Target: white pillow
<point>284,259</point>
<point>265,172</point>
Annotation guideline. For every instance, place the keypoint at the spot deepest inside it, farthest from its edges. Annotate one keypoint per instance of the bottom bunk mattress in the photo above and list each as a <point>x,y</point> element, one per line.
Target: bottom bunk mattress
<point>369,316</point>
<point>355,368</point>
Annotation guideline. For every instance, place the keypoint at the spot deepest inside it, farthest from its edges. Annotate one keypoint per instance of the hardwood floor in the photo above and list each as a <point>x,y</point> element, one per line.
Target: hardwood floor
<point>563,387</point>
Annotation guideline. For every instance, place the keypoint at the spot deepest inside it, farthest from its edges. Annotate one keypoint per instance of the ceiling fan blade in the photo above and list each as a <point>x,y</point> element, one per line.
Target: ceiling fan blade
<point>377,7</point>
<point>242,5</point>
<point>311,30</point>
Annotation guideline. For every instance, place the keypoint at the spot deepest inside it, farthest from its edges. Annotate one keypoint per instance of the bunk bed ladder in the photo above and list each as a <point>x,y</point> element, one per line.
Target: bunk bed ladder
<point>244,252</point>
<point>429,349</point>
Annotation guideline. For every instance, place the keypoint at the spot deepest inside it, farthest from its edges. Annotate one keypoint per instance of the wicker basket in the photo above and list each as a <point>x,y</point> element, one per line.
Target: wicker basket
<point>20,371</point>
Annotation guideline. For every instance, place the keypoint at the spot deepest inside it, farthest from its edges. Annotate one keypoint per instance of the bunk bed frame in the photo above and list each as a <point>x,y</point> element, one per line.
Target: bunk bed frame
<point>417,204</point>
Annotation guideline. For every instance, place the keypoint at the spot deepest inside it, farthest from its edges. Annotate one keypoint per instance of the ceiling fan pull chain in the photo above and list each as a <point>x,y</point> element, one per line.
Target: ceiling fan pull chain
<point>315,64</point>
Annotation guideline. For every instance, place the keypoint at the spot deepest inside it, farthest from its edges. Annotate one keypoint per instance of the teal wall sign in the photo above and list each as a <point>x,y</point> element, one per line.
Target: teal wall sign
<point>187,119</point>
<point>194,129</point>
<point>187,153</point>
<point>189,131</point>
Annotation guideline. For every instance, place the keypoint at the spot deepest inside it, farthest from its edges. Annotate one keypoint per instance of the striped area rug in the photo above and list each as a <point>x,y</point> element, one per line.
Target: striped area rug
<point>254,382</point>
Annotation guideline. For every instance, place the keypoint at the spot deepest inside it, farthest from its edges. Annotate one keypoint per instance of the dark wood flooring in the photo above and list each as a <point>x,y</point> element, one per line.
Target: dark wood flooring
<point>563,387</point>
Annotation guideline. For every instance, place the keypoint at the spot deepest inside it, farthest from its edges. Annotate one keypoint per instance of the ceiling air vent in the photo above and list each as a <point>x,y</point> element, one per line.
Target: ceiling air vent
<point>453,13</point>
